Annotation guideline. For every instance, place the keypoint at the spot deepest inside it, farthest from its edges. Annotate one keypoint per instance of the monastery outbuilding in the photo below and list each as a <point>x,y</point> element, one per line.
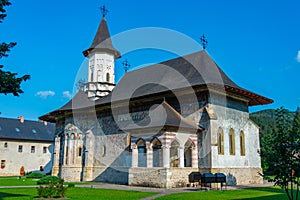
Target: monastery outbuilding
<point>25,146</point>
<point>157,125</point>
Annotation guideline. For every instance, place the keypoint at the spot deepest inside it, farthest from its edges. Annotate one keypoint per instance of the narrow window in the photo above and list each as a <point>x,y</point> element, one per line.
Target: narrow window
<point>103,151</point>
<point>107,77</point>
<point>44,149</point>
<point>20,149</point>
<point>220,142</point>
<point>242,143</point>
<point>5,145</point>
<point>79,152</point>
<point>32,149</point>
<point>92,76</point>
<point>3,164</point>
<point>231,142</point>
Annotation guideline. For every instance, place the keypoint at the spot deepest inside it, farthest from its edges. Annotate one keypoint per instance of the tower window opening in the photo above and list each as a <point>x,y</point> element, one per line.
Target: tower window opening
<point>107,77</point>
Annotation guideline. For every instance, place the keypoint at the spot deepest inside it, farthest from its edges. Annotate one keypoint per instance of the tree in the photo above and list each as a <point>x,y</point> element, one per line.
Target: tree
<point>283,154</point>
<point>10,83</point>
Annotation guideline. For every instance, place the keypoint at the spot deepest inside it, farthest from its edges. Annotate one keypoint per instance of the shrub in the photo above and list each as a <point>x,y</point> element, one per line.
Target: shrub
<point>53,189</point>
<point>35,175</point>
<point>49,179</point>
<point>71,185</point>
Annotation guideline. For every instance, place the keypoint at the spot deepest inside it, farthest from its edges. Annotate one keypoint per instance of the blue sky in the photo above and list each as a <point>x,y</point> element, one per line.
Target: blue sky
<point>255,42</point>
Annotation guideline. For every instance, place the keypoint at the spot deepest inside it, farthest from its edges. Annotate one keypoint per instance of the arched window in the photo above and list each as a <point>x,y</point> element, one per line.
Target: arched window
<point>103,151</point>
<point>220,141</point>
<point>107,77</point>
<point>142,153</point>
<point>174,159</point>
<point>157,153</point>
<point>242,143</point>
<point>231,142</point>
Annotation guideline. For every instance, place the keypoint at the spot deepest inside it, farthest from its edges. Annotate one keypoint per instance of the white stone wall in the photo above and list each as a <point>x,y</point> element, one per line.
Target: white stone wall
<point>238,121</point>
<point>101,63</point>
<point>14,160</point>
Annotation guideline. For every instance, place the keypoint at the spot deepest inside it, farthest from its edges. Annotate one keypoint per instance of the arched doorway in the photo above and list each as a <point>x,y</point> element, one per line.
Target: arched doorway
<point>22,171</point>
<point>142,153</point>
<point>157,153</point>
<point>174,159</point>
<point>188,147</point>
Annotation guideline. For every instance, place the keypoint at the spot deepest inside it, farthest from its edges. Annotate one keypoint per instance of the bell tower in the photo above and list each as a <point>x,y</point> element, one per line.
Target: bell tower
<point>101,62</point>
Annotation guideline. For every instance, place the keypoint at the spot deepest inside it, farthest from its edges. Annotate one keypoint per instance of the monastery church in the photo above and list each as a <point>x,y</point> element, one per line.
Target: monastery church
<point>185,115</point>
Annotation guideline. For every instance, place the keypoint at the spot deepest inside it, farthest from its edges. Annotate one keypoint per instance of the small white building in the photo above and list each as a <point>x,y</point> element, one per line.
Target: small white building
<point>25,146</point>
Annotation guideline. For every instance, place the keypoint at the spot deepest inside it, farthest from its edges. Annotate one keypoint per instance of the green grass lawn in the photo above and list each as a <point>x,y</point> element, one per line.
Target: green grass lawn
<point>15,181</point>
<point>76,193</point>
<point>270,193</point>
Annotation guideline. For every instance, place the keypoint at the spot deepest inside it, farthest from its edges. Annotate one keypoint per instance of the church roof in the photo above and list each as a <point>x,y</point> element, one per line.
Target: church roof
<point>102,40</point>
<point>163,116</point>
<point>28,130</point>
<point>196,69</point>
<point>193,70</point>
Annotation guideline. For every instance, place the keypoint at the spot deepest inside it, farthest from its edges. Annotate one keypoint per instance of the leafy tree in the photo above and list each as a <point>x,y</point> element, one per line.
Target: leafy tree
<point>10,83</point>
<point>266,120</point>
<point>283,153</point>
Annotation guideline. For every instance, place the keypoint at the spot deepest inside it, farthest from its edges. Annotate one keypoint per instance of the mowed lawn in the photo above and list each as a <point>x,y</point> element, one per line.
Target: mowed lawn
<point>76,193</point>
<point>266,193</point>
<point>16,181</point>
<point>93,193</point>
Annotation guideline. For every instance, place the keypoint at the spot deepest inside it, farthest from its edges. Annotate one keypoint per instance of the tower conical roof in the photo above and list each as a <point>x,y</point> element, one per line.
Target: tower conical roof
<point>102,40</point>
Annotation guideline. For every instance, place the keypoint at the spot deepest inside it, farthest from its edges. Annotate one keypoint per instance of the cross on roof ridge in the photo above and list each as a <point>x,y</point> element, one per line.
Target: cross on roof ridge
<point>103,10</point>
<point>203,41</point>
<point>126,65</point>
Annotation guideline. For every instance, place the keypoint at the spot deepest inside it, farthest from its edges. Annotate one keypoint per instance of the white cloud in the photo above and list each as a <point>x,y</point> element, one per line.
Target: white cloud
<point>45,94</point>
<point>298,56</point>
<point>67,94</point>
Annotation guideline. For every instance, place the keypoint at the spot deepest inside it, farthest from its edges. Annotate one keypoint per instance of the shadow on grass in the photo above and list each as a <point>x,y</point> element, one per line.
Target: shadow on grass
<point>4,194</point>
<point>272,197</point>
<point>275,193</point>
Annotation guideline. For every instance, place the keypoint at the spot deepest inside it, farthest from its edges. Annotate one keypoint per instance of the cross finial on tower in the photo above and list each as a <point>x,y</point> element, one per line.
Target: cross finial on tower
<point>126,65</point>
<point>203,41</point>
<point>103,10</point>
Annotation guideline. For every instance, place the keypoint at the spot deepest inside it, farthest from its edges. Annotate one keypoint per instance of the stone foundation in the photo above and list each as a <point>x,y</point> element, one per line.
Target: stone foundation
<point>55,171</point>
<point>238,176</point>
<point>160,177</point>
<point>179,177</point>
<point>71,174</point>
<point>117,175</point>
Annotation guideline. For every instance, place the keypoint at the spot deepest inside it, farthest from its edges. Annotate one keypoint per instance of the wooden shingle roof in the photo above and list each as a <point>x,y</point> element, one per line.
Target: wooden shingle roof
<point>163,116</point>
<point>102,40</point>
<point>193,70</point>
